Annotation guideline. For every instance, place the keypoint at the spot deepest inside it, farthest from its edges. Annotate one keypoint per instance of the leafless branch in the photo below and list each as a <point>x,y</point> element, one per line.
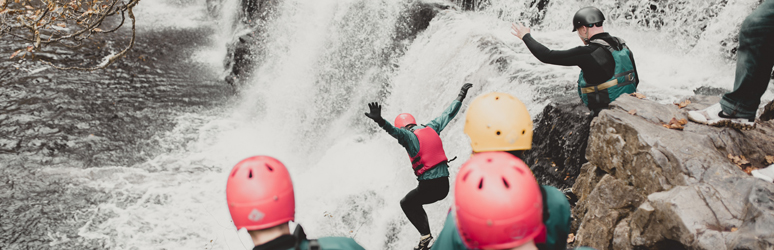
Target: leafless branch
<point>46,22</point>
<point>107,61</point>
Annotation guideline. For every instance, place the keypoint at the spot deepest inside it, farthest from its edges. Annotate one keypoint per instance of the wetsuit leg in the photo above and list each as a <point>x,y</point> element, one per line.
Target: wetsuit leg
<point>428,191</point>
<point>755,59</point>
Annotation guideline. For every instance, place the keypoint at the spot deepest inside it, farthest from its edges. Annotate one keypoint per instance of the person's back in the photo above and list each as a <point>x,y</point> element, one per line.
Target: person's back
<point>299,241</point>
<point>498,205</point>
<point>428,160</point>
<point>607,64</point>
<point>500,122</point>
<point>261,200</point>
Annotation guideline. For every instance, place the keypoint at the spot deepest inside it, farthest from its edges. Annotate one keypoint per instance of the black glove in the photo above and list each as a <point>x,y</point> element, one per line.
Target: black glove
<point>464,91</point>
<point>375,113</point>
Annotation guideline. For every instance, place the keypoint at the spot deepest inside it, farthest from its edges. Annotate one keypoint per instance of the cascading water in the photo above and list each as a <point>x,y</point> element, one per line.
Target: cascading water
<point>325,60</point>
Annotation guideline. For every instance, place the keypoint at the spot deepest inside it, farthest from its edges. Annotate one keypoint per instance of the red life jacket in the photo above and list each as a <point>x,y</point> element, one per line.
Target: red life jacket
<point>430,151</point>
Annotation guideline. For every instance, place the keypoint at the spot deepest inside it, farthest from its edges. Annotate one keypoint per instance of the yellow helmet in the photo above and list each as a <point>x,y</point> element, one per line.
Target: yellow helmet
<point>498,122</point>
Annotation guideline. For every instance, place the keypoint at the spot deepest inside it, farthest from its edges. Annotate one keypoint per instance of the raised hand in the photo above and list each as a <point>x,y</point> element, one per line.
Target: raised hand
<point>464,91</point>
<point>519,30</point>
<point>375,113</point>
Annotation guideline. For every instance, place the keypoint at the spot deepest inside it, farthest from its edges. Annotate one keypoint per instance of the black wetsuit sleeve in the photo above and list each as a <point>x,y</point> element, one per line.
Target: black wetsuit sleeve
<point>578,56</point>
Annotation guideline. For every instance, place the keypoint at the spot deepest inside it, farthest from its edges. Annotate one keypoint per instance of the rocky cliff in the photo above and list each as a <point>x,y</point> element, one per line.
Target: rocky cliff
<point>646,186</point>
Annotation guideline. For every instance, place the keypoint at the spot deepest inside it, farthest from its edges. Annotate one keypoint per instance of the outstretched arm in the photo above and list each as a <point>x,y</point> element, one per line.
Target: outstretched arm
<point>571,57</point>
<point>440,122</point>
<point>375,113</point>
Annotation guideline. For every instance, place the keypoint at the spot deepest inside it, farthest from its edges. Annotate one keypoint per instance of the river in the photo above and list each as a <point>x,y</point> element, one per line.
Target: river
<point>136,156</point>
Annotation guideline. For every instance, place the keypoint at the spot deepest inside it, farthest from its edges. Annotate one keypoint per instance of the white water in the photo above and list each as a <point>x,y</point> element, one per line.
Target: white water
<point>305,108</point>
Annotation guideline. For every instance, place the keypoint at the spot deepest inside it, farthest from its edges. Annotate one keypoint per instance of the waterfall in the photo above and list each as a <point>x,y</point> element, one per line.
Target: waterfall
<point>326,59</point>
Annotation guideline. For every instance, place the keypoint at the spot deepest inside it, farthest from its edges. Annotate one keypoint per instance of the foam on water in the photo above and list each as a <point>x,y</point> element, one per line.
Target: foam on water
<point>305,108</point>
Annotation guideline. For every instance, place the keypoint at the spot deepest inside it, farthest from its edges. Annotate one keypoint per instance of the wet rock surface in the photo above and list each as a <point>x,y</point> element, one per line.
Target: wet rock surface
<point>649,187</point>
<point>768,112</point>
<point>55,123</point>
<point>249,46</point>
<point>559,143</point>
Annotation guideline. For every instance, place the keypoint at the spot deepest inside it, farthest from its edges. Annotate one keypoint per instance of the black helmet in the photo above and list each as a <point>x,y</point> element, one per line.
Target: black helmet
<point>587,16</point>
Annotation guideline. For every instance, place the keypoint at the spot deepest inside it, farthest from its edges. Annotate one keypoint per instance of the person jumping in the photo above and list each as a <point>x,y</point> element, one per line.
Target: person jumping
<point>428,160</point>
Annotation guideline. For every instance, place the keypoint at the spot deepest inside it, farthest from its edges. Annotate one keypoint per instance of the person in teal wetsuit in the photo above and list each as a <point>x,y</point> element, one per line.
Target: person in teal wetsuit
<point>428,159</point>
<point>607,64</point>
<point>501,122</point>
<point>498,205</point>
<point>261,200</point>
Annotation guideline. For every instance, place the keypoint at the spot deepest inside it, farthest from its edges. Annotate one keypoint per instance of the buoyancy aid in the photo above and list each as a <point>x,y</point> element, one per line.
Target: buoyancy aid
<point>430,151</point>
<point>624,80</point>
<point>312,244</point>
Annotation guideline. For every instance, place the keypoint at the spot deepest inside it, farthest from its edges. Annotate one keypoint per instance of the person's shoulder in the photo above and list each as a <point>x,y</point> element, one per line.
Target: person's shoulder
<point>338,243</point>
<point>550,189</point>
<point>554,196</point>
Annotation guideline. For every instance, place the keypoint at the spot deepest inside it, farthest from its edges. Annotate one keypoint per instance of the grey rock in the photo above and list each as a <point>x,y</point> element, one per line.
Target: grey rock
<point>671,189</point>
<point>611,201</point>
<point>559,144</point>
<point>768,112</point>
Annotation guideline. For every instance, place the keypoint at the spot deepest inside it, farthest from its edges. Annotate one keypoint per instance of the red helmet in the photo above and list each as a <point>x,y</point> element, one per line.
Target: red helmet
<point>404,119</point>
<point>260,194</point>
<point>497,202</point>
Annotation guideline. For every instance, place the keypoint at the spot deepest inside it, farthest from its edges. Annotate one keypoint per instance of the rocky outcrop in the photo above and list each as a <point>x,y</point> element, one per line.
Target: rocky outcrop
<point>768,112</point>
<point>649,187</point>
<point>248,47</point>
<point>559,143</point>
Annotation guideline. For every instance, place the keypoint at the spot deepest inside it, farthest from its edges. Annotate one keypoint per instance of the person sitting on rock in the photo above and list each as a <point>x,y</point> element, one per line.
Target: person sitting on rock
<point>607,64</point>
<point>260,199</point>
<point>428,160</point>
<point>500,122</point>
<point>498,204</point>
<point>755,59</point>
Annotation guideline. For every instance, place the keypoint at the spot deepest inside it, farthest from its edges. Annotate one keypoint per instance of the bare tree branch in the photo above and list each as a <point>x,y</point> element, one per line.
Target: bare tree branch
<point>46,22</point>
<point>107,61</point>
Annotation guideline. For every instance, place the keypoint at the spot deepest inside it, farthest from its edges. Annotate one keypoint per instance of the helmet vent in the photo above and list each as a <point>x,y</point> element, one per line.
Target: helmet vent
<point>523,131</point>
<point>481,183</point>
<point>250,174</point>
<point>506,183</point>
<point>269,167</point>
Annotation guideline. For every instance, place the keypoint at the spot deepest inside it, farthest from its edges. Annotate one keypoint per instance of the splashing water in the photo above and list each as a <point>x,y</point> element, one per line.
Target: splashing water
<point>326,59</point>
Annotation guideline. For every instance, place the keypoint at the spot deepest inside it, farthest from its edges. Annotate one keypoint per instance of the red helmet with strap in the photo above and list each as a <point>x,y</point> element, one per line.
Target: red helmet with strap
<point>498,203</point>
<point>260,194</point>
<point>404,119</point>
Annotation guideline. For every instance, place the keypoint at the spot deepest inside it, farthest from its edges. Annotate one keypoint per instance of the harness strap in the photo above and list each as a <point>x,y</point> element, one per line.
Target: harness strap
<point>629,80</point>
<point>314,245</point>
<point>417,159</point>
<point>301,236</point>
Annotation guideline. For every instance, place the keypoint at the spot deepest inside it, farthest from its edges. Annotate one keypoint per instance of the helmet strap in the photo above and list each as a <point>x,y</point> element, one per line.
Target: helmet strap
<point>586,39</point>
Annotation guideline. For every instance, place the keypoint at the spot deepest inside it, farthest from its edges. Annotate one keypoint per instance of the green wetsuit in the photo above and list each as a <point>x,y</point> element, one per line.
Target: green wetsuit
<point>557,225</point>
<point>298,241</point>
